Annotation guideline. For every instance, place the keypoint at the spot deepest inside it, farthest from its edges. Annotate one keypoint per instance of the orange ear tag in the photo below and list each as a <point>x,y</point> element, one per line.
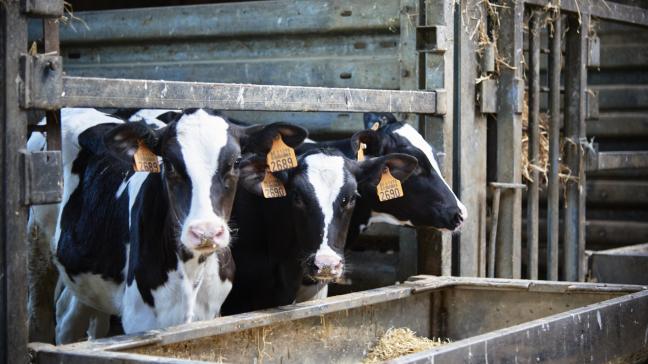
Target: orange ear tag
<point>145,160</point>
<point>361,149</point>
<point>389,187</point>
<point>375,126</point>
<point>272,187</point>
<point>281,156</point>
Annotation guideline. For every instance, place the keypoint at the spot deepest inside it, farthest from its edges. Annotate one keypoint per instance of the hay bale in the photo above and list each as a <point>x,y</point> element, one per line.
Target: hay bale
<point>399,342</point>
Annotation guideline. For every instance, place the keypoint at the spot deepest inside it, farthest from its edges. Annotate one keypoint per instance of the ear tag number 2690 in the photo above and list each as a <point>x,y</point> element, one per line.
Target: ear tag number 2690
<point>389,187</point>
<point>281,156</point>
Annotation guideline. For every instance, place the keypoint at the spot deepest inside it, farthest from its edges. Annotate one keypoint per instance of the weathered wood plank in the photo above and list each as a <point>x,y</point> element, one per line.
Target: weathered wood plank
<point>101,92</point>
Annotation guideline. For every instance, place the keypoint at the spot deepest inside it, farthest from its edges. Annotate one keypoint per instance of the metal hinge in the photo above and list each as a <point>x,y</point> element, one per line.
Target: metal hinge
<point>43,8</point>
<point>42,81</point>
<point>43,177</point>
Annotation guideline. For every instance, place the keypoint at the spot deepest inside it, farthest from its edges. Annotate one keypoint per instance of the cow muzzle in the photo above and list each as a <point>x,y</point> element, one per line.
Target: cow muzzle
<point>207,235</point>
<point>328,267</point>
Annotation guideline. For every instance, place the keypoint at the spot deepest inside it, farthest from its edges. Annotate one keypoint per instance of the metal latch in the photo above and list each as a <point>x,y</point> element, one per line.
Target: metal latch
<point>43,176</point>
<point>42,81</point>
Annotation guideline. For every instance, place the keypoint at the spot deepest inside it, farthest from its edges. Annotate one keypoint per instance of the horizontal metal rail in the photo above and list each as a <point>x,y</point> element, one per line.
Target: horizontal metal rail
<point>618,160</point>
<point>601,9</point>
<point>129,93</point>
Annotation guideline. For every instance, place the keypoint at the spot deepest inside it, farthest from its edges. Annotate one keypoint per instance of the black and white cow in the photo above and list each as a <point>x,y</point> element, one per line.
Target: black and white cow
<point>428,200</point>
<point>133,244</point>
<point>281,240</point>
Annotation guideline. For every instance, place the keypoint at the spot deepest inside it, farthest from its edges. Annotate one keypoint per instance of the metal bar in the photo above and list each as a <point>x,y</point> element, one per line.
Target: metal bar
<point>509,137</point>
<point>493,233</point>
<point>619,160</point>
<point>51,43</point>
<point>103,92</point>
<point>553,198</point>
<point>575,88</point>
<point>436,72</point>
<point>607,10</point>
<point>533,130</point>
<point>244,19</point>
<point>13,218</point>
<point>470,143</point>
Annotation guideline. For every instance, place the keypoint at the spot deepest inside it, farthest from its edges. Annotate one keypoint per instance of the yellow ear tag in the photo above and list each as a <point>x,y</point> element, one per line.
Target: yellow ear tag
<point>272,187</point>
<point>281,156</point>
<point>145,160</point>
<point>375,126</point>
<point>389,187</point>
<point>361,149</point>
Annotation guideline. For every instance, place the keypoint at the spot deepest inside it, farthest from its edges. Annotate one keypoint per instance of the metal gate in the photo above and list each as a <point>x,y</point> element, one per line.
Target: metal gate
<point>459,68</point>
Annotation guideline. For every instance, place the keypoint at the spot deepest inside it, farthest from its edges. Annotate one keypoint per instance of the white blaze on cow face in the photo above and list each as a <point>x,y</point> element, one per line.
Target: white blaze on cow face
<point>409,133</point>
<point>326,175</point>
<point>201,138</point>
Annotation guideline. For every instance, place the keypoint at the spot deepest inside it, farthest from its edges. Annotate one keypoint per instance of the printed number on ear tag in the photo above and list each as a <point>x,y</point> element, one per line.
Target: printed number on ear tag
<point>281,156</point>
<point>361,149</point>
<point>389,187</point>
<point>272,187</point>
<point>145,160</point>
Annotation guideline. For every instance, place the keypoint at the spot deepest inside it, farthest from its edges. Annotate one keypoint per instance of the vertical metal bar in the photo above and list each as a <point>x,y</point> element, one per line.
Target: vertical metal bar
<point>492,246</point>
<point>436,72</point>
<point>575,87</point>
<point>13,216</point>
<point>470,141</point>
<point>51,44</point>
<point>533,130</point>
<point>553,197</point>
<point>509,136</point>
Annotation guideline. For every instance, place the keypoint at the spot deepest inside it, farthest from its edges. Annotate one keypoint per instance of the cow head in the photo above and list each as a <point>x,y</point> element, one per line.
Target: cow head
<point>428,200</point>
<point>321,195</point>
<point>200,151</point>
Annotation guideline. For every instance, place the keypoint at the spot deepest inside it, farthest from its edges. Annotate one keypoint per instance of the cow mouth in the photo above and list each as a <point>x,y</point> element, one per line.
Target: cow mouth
<point>207,245</point>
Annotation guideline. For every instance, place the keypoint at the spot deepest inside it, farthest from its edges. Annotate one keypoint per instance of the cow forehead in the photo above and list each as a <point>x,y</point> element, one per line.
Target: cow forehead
<point>414,138</point>
<point>201,138</point>
<point>325,173</point>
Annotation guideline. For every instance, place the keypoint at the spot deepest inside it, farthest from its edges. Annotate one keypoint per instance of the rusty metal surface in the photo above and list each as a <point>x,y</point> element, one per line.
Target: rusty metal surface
<point>102,92</point>
<point>342,328</point>
<point>41,84</point>
<point>43,176</point>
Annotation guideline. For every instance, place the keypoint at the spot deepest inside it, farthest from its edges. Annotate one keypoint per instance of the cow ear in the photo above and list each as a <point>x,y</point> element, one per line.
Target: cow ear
<point>371,138</point>
<point>380,118</point>
<point>258,138</point>
<point>123,140</point>
<point>252,172</point>
<point>400,166</point>
<point>169,116</point>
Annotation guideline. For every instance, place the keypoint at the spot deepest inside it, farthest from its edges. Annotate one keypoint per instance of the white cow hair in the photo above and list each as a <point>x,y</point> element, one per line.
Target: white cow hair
<point>326,175</point>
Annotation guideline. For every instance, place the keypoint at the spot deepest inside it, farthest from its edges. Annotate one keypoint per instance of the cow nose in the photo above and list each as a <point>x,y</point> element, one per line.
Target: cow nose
<point>206,229</point>
<point>328,264</point>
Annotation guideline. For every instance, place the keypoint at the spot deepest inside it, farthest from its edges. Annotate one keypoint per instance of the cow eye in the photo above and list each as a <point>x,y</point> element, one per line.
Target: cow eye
<point>237,163</point>
<point>298,200</point>
<point>170,170</point>
<point>347,202</point>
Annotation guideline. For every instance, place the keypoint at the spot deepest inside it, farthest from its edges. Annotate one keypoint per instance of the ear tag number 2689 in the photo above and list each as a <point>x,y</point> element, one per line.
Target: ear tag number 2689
<point>145,160</point>
<point>281,156</point>
<point>389,187</point>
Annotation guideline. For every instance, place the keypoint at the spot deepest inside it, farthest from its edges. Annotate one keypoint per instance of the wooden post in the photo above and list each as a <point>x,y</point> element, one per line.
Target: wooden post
<point>13,216</point>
